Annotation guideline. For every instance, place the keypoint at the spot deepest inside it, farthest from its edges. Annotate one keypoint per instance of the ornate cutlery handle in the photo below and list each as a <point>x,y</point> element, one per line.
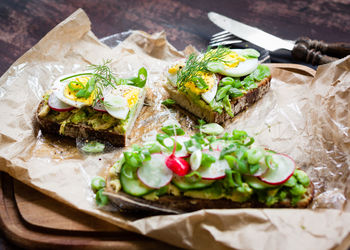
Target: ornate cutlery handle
<point>315,57</point>
<point>339,50</point>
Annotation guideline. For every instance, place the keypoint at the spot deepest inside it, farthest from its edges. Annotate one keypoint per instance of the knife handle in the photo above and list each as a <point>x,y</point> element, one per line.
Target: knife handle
<point>303,53</point>
<point>339,50</point>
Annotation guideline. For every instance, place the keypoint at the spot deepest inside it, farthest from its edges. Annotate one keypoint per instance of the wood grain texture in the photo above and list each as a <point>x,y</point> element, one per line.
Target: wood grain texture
<point>32,220</point>
<point>24,23</point>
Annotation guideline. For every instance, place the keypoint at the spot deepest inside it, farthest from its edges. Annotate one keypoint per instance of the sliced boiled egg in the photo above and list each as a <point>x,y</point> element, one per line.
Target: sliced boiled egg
<point>172,71</point>
<point>118,101</point>
<point>209,95</point>
<point>66,95</point>
<point>237,63</point>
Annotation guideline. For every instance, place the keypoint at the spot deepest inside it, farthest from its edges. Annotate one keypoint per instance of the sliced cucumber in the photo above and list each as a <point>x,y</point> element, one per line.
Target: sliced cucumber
<point>255,183</point>
<point>133,186</point>
<point>183,185</point>
<point>195,159</point>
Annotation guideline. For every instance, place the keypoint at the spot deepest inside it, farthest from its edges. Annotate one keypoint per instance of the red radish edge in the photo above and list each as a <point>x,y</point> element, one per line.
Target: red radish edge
<point>215,178</point>
<point>284,180</point>
<point>177,164</point>
<point>99,107</point>
<point>57,105</point>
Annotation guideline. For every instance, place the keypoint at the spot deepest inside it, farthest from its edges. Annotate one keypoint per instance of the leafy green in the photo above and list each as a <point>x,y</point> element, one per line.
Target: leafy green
<point>168,102</point>
<point>172,130</point>
<point>207,160</point>
<point>227,105</point>
<point>140,80</point>
<point>222,92</point>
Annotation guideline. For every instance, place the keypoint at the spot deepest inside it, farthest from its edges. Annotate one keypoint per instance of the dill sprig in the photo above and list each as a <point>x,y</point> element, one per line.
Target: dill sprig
<point>104,77</point>
<point>196,64</point>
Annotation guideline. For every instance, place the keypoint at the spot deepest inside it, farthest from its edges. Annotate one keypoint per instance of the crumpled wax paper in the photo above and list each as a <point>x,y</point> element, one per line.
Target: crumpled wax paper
<point>304,116</point>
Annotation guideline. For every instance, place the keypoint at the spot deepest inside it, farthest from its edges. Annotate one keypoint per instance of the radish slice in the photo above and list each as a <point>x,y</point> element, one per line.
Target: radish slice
<point>154,173</point>
<point>263,168</point>
<point>216,169</point>
<point>279,175</point>
<point>57,105</point>
<point>99,107</point>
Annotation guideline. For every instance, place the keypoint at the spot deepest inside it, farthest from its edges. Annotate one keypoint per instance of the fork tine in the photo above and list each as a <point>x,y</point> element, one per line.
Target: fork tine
<point>228,42</point>
<point>221,33</point>
<point>222,38</point>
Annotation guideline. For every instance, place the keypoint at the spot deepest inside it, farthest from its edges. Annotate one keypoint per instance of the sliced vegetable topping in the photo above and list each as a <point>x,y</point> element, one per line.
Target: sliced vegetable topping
<point>222,166</point>
<point>155,173</point>
<point>283,170</point>
<point>57,105</point>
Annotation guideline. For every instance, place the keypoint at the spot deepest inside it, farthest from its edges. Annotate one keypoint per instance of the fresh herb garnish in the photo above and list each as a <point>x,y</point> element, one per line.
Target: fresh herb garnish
<point>102,77</point>
<point>196,65</point>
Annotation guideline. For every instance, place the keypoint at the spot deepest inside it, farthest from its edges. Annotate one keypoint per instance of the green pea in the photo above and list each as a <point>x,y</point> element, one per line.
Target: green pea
<point>292,181</point>
<point>254,155</point>
<point>298,190</point>
<point>97,183</point>
<point>101,199</point>
<point>302,177</point>
<point>154,148</point>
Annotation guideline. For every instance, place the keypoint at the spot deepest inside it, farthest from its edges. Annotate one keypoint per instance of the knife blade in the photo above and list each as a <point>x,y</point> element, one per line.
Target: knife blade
<point>250,34</point>
<point>303,49</point>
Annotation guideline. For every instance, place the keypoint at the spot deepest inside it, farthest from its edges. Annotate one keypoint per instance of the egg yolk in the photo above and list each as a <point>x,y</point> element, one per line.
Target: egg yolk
<point>132,96</point>
<point>174,69</point>
<point>232,59</point>
<point>68,93</point>
<point>207,77</point>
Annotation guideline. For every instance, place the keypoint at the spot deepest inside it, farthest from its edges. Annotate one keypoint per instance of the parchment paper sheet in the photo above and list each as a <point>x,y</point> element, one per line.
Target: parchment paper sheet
<point>307,118</point>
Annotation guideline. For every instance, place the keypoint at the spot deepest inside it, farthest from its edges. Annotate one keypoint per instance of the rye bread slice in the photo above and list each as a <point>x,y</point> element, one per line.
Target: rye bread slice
<point>86,131</point>
<point>170,204</point>
<point>238,104</point>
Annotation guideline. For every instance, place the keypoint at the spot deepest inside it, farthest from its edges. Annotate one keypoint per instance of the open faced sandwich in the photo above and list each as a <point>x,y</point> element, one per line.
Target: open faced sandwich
<point>94,105</point>
<point>218,84</point>
<point>177,173</point>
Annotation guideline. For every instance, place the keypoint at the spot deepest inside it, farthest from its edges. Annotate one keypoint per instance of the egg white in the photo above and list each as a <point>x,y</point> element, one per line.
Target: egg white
<point>59,87</point>
<point>115,102</point>
<point>210,94</point>
<point>242,69</point>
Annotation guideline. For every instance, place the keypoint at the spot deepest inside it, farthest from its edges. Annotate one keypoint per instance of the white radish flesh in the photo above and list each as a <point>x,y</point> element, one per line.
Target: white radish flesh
<point>281,173</point>
<point>154,173</point>
<point>216,169</point>
<point>57,105</point>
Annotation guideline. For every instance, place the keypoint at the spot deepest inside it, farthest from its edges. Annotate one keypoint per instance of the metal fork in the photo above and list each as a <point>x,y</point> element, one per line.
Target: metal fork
<point>223,38</point>
<point>226,38</point>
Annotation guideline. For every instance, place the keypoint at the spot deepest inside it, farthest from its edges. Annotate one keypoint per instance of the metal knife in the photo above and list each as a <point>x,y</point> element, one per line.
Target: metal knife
<point>311,51</point>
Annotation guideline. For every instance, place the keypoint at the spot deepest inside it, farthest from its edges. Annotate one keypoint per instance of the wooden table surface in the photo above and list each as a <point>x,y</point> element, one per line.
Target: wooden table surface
<point>24,23</point>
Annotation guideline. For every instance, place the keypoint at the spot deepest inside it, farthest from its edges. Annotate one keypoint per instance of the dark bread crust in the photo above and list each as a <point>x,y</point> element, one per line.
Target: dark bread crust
<point>238,104</point>
<point>79,130</point>
<point>181,204</point>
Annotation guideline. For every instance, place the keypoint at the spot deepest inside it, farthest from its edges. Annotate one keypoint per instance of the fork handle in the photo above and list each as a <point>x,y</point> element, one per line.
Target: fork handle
<point>339,50</point>
<point>315,57</point>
